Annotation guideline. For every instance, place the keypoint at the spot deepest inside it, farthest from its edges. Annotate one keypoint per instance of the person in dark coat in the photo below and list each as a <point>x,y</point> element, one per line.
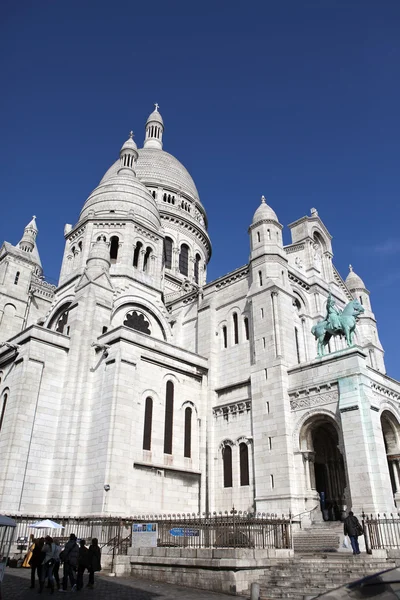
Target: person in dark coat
<point>83,563</point>
<point>94,561</point>
<point>36,560</point>
<point>353,529</point>
<point>69,556</point>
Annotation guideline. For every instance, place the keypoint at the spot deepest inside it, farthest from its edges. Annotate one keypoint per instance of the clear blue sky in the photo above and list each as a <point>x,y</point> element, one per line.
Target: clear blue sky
<point>297,100</point>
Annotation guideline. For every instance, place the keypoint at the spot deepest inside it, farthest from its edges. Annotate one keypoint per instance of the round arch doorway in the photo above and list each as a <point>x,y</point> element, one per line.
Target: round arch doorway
<point>325,464</point>
<point>391,437</point>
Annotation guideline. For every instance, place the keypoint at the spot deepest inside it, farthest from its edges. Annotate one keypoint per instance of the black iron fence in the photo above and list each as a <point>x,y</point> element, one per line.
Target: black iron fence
<point>229,530</point>
<point>381,531</point>
<point>212,530</point>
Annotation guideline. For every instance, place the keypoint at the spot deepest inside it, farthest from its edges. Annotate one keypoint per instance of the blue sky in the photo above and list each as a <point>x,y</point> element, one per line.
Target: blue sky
<point>293,99</point>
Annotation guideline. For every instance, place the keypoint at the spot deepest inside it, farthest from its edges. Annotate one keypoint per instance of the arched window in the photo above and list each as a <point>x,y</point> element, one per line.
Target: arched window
<point>136,254</point>
<point>3,408</point>
<point>80,246</point>
<point>235,329</point>
<point>361,300</point>
<point>296,337</point>
<point>227,460</point>
<point>168,253</point>
<point>260,277</point>
<point>169,417</point>
<point>244,463</point>
<point>269,234</point>
<point>184,260</point>
<point>196,268</point>
<point>114,245</point>
<point>188,433</point>
<point>225,336</point>
<point>146,259</point>
<point>17,274</point>
<point>246,327</point>
<point>258,236</point>
<point>148,417</point>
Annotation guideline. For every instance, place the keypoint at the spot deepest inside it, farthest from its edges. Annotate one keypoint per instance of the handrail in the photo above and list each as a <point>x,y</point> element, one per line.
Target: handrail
<point>310,510</point>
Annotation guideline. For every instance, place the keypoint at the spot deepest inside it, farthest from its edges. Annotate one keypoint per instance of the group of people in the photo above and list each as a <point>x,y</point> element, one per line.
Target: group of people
<point>45,557</point>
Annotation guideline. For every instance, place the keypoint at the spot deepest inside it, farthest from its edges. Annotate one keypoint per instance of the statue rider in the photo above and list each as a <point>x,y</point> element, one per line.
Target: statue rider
<point>332,314</point>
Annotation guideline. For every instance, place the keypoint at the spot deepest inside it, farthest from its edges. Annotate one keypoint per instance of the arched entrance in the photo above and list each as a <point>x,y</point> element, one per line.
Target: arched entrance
<point>391,436</point>
<point>324,464</point>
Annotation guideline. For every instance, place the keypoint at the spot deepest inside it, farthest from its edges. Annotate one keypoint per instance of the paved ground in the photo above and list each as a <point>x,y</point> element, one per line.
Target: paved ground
<point>16,587</point>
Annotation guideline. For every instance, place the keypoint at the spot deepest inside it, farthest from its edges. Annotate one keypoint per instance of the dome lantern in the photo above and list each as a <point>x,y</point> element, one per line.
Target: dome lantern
<point>154,130</point>
<point>27,242</point>
<point>128,157</point>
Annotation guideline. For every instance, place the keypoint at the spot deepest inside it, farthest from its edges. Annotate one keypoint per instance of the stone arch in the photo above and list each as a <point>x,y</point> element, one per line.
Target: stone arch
<point>189,404</point>
<point>324,466</point>
<point>159,326</point>
<point>59,319</point>
<point>391,437</point>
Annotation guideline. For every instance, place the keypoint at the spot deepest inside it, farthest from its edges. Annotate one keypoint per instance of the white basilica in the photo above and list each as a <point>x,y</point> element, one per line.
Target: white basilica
<point>135,386</point>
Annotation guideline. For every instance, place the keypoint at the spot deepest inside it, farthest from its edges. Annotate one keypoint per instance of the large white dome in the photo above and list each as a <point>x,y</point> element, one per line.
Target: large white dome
<point>159,168</point>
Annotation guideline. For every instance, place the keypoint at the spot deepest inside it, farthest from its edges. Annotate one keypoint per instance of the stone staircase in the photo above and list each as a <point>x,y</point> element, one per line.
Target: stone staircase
<point>319,537</point>
<point>308,575</point>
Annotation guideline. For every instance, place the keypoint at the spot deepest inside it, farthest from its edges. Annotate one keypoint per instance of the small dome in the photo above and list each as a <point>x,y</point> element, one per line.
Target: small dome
<point>155,116</point>
<point>353,281</point>
<point>264,212</point>
<point>129,144</point>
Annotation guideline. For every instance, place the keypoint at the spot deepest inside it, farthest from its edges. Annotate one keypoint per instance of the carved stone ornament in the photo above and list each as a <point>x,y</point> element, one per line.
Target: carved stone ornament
<point>137,321</point>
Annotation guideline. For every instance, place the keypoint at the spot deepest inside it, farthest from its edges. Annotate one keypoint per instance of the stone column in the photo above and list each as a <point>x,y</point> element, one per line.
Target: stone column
<point>309,469</point>
<point>275,316</point>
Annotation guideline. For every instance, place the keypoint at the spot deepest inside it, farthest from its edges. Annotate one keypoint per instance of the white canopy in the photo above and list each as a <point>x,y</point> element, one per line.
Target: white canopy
<point>7,522</point>
<point>46,524</point>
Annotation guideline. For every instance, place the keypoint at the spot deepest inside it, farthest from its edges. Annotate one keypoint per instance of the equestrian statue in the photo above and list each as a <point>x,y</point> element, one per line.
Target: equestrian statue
<point>337,322</point>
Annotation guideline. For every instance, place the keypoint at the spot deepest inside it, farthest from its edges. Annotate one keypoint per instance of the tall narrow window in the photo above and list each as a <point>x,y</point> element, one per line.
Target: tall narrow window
<point>225,336</point>
<point>196,268</point>
<point>244,463</point>
<point>361,300</point>
<point>227,459</point>
<point>258,236</point>
<point>296,337</point>
<point>188,433</point>
<point>235,329</point>
<point>114,245</point>
<point>148,417</point>
<point>184,260</point>
<point>16,278</point>
<point>168,253</point>
<point>246,327</point>
<point>260,277</point>
<point>3,409</point>
<point>136,254</point>
<point>146,259</point>
<point>169,417</point>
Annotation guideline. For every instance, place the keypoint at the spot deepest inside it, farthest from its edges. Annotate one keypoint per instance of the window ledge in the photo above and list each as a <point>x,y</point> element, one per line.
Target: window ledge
<point>159,467</point>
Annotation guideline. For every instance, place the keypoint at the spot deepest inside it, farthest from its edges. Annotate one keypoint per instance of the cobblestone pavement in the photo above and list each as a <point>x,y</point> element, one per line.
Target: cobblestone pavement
<point>16,587</point>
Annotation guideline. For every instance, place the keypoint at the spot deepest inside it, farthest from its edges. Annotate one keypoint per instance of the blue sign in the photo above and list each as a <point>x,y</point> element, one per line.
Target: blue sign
<point>182,532</point>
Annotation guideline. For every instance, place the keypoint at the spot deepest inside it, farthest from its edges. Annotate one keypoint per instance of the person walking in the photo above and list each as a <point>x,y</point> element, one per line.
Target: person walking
<point>83,563</point>
<point>353,529</point>
<point>36,560</point>
<point>48,563</point>
<point>69,557</point>
<point>57,563</point>
<point>94,561</point>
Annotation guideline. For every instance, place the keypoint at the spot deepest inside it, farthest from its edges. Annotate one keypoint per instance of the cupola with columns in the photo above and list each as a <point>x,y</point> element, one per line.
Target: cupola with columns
<point>367,331</point>
<point>154,130</point>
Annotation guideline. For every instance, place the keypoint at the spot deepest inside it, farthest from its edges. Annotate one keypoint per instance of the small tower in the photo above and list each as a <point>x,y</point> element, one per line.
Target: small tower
<point>28,240</point>
<point>154,130</point>
<point>128,157</point>
<point>266,239</point>
<point>366,329</point>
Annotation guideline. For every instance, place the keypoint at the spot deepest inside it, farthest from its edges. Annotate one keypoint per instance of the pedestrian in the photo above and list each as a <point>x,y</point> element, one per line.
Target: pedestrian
<point>94,561</point>
<point>83,563</point>
<point>69,556</point>
<point>353,529</point>
<point>36,560</point>
<point>29,553</point>
<point>57,563</point>
<point>48,563</point>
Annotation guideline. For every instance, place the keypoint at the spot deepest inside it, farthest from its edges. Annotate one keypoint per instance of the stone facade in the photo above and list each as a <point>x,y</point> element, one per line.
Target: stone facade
<point>135,387</point>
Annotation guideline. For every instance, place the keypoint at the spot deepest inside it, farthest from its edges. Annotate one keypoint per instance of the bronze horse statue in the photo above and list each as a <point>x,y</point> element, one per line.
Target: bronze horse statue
<point>323,330</point>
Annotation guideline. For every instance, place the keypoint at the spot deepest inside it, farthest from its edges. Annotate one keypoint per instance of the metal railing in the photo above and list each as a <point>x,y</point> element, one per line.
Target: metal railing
<point>381,531</point>
<point>235,529</point>
<point>229,530</point>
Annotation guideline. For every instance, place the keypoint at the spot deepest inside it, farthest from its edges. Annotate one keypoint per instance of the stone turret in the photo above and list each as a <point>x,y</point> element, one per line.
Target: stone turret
<point>154,130</point>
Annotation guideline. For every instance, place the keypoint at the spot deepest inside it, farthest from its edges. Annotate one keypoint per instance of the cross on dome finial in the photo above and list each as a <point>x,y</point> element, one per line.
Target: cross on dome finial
<point>156,106</point>
<point>131,135</point>
<point>350,268</point>
<point>262,199</point>
<point>34,217</point>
